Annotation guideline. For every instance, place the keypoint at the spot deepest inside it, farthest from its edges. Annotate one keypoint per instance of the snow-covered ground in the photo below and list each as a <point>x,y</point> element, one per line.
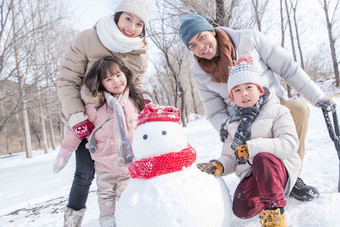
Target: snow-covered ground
<point>31,195</point>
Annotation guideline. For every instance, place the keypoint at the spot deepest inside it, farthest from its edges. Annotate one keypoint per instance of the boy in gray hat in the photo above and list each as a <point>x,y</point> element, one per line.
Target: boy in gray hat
<point>215,50</point>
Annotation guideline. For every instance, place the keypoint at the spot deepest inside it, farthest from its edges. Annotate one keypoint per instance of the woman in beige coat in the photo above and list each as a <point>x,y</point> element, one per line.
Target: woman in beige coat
<point>121,35</point>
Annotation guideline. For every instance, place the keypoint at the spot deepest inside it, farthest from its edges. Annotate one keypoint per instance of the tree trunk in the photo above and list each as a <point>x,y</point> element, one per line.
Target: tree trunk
<point>38,89</point>
<point>28,144</point>
<point>5,127</point>
<point>220,13</point>
<point>255,4</point>
<point>282,26</point>
<point>51,134</point>
<point>193,95</point>
<point>291,42</point>
<point>332,41</point>
<point>297,33</point>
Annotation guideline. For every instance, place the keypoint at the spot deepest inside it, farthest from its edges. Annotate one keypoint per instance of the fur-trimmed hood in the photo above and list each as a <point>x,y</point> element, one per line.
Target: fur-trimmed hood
<point>87,96</point>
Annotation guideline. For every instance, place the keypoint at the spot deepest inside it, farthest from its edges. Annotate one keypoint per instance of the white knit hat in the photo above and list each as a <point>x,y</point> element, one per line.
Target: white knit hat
<point>244,72</point>
<point>140,8</point>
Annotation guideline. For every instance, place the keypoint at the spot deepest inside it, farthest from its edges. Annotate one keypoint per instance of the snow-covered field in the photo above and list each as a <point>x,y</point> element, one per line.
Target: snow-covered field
<point>31,195</point>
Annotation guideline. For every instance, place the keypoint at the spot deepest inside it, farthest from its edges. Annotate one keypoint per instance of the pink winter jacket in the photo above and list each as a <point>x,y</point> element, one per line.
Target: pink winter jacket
<point>105,156</point>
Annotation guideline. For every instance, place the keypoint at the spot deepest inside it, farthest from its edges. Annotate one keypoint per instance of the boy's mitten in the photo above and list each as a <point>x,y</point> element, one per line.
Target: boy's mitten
<point>81,126</point>
<point>224,131</point>
<point>242,154</point>
<point>62,158</point>
<point>326,104</point>
<point>215,168</point>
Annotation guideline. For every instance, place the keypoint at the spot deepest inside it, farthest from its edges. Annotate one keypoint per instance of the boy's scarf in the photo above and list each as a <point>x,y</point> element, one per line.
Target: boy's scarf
<point>218,67</point>
<point>113,39</point>
<point>248,116</point>
<point>163,164</point>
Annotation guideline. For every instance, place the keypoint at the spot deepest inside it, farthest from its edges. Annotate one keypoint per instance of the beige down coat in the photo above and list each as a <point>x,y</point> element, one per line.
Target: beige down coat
<point>273,131</point>
<point>82,53</point>
<point>105,156</point>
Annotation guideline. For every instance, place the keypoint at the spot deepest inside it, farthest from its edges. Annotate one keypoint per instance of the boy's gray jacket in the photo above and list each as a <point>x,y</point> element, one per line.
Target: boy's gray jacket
<point>274,132</point>
<point>273,63</point>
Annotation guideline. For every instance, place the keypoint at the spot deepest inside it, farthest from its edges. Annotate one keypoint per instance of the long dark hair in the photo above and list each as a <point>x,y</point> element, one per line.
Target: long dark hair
<point>116,18</point>
<point>101,69</point>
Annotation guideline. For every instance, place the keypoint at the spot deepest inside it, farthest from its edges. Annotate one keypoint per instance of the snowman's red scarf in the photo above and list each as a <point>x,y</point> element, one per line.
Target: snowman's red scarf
<point>162,164</point>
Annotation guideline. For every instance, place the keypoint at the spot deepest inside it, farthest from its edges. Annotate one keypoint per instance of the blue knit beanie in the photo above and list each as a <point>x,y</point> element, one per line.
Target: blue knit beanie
<point>191,25</point>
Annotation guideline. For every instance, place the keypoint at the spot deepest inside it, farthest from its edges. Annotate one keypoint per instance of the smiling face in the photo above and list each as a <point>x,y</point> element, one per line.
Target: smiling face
<point>246,95</point>
<point>130,25</point>
<point>204,44</point>
<point>115,81</point>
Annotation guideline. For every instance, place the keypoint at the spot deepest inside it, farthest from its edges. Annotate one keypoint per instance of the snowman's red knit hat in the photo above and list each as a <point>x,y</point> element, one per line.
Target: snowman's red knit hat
<point>154,112</point>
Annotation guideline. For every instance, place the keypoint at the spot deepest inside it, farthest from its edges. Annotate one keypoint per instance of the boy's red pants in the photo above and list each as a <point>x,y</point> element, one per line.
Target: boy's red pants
<point>264,189</point>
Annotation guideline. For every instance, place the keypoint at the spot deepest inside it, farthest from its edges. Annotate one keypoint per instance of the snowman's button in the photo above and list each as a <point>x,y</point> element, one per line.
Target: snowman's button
<point>163,132</point>
<point>145,136</point>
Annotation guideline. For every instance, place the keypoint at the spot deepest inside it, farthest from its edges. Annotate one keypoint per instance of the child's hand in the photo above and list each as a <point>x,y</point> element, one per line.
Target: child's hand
<point>242,154</point>
<point>63,156</point>
<point>80,124</point>
<point>215,168</point>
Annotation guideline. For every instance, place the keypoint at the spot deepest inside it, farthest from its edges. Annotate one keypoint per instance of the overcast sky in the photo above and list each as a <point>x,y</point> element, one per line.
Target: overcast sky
<point>87,12</point>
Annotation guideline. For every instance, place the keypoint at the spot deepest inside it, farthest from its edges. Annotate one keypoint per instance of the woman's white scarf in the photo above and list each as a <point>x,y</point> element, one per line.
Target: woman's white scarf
<point>113,39</point>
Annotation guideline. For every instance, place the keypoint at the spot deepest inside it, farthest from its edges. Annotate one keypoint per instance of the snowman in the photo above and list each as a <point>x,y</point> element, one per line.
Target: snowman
<point>166,188</point>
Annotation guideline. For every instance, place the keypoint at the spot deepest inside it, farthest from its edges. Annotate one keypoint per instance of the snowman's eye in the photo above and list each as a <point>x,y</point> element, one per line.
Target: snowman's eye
<point>145,136</point>
<point>163,132</point>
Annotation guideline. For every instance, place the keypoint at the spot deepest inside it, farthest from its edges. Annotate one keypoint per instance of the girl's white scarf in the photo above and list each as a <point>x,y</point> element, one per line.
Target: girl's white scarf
<point>113,39</point>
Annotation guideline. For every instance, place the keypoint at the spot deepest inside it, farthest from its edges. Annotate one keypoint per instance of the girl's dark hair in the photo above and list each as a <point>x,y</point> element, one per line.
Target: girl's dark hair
<point>100,70</point>
<point>116,18</point>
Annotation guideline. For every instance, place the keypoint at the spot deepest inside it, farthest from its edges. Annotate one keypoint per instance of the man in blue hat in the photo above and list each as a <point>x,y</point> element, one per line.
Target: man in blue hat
<point>216,49</point>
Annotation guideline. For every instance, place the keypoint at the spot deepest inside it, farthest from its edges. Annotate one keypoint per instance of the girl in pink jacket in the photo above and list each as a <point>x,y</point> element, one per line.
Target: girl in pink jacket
<point>112,104</point>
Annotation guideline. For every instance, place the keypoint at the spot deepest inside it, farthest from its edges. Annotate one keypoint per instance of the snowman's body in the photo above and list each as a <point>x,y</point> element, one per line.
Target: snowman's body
<point>185,198</point>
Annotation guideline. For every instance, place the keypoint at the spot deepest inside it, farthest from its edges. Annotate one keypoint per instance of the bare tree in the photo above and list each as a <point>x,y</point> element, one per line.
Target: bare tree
<point>283,27</point>
<point>331,20</point>
<point>21,82</point>
<point>259,8</point>
<point>291,35</point>
<point>293,5</point>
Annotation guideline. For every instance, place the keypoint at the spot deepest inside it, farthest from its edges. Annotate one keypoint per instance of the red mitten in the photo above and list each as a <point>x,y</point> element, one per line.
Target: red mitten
<point>83,129</point>
<point>80,124</point>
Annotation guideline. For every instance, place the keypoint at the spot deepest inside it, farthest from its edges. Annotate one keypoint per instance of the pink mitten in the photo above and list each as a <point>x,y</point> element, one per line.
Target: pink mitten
<point>63,156</point>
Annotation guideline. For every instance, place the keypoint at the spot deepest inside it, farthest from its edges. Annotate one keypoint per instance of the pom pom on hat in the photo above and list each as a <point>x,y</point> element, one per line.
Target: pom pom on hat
<point>191,25</point>
<point>154,112</point>
<point>140,8</point>
<point>244,72</point>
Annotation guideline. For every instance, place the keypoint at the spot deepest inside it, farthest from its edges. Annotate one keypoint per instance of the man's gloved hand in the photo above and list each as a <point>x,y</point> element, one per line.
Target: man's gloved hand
<point>63,156</point>
<point>326,104</point>
<point>242,154</point>
<point>81,126</point>
<point>214,168</point>
<point>224,131</point>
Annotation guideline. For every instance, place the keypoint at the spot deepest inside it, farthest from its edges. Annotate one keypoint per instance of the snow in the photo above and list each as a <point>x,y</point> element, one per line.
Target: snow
<point>31,195</point>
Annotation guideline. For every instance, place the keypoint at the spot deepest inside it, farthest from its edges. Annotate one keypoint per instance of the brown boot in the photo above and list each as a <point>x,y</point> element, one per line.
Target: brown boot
<point>73,218</point>
<point>272,218</point>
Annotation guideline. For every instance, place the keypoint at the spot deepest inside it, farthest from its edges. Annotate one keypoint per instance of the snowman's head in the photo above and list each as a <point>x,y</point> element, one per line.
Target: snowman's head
<point>158,132</point>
